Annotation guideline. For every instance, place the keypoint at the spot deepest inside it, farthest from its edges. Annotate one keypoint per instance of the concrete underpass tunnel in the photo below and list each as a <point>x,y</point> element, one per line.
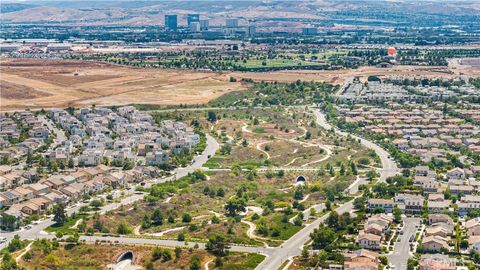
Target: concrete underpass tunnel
<point>127,255</point>
<point>301,178</point>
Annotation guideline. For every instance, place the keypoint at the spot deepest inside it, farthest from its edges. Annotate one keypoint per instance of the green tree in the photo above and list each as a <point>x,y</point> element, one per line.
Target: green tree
<point>53,166</point>
<point>96,204</point>
<point>71,163</point>
<point>322,237</point>
<point>178,252</point>
<point>59,214</point>
<point>186,217</point>
<point>123,228</point>
<point>195,263</point>
<point>235,205</point>
<point>397,214</point>
<point>212,116</point>
<point>217,244</point>
<point>157,217</point>
<point>9,222</point>
<point>8,263</point>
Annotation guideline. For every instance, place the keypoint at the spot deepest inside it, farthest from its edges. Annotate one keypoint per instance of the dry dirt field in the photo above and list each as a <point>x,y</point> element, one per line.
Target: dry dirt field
<point>40,83</point>
<point>339,76</point>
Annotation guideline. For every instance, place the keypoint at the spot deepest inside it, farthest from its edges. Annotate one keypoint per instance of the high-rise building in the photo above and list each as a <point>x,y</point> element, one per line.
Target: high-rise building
<point>204,24</point>
<point>192,18</point>
<point>194,27</point>
<point>309,31</point>
<point>231,23</point>
<point>251,30</point>
<point>171,22</point>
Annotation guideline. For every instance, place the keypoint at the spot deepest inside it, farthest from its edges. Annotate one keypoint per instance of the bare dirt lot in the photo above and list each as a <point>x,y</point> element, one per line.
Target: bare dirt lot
<point>41,83</point>
<point>46,83</point>
<point>339,76</point>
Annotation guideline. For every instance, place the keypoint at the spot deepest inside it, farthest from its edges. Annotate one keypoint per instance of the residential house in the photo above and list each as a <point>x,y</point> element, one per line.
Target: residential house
<point>10,197</point>
<point>422,171</point>
<point>156,158</point>
<point>474,243</point>
<point>361,259</point>
<point>409,203</point>
<point>55,197</point>
<point>456,173</point>
<point>72,192</point>
<point>369,241</point>
<point>464,208</point>
<point>439,206</point>
<point>434,243</point>
<point>439,218</point>
<point>115,179</point>
<point>473,226</point>
<point>386,205</point>
<point>25,194</point>
<point>437,262</point>
<point>438,230</point>
<point>38,188</point>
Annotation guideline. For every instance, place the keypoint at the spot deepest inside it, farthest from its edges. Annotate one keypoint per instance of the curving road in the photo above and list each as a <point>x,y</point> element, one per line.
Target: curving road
<point>36,230</point>
<point>275,257</point>
<point>292,247</point>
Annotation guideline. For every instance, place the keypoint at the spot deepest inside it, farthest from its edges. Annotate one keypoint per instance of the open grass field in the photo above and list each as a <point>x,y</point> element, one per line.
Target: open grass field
<point>46,83</point>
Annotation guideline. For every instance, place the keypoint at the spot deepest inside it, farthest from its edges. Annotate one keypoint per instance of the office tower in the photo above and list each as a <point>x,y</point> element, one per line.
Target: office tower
<point>251,30</point>
<point>194,27</point>
<point>171,22</point>
<point>231,23</point>
<point>192,18</point>
<point>309,31</point>
<point>204,24</point>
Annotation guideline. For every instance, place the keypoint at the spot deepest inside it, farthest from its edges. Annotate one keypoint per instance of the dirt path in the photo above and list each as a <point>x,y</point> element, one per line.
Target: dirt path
<point>245,128</point>
<point>259,148</point>
<point>308,144</point>
<point>166,231</point>
<point>136,230</point>
<point>251,232</point>
<point>207,263</point>
<point>292,161</point>
<point>329,154</point>
<point>27,248</point>
<point>74,226</point>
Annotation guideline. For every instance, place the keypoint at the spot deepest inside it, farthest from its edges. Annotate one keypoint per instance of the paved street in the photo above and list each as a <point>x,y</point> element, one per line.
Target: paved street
<point>293,246</point>
<point>37,230</point>
<point>389,167</point>
<point>59,134</point>
<point>401,250</point>
<point>171,243</point>
<point>275,256</point>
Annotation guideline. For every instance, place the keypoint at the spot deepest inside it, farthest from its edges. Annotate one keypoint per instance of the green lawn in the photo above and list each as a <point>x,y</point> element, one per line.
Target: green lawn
<point>214,162</point>
<point>250,261</point>
<point>65,229</point>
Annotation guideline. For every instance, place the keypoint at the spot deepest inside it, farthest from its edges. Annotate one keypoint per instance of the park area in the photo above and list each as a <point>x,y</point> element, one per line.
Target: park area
<point>274,172</point>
